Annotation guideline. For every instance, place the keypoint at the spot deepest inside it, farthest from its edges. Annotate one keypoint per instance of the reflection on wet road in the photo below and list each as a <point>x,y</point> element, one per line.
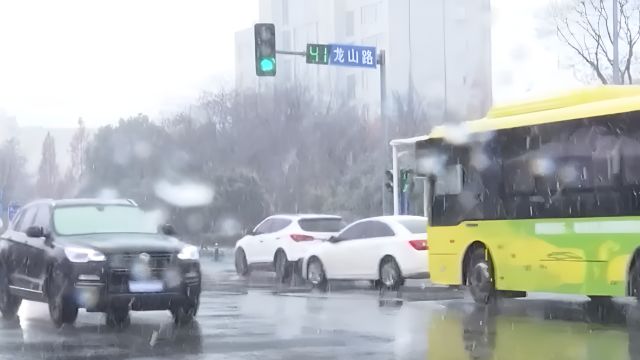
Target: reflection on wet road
<point>255,320</point>
<point>535,329</point>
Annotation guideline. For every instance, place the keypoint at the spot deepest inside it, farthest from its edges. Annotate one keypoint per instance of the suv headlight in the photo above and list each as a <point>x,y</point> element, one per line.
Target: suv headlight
<point>189,253</point>
<point>83,255</point>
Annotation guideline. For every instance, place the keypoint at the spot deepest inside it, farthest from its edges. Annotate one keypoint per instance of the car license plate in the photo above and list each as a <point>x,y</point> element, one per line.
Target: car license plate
<point>146,286</point>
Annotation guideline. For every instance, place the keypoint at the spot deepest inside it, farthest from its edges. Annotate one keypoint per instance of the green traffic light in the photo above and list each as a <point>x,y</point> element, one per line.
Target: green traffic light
<point>267,64</point>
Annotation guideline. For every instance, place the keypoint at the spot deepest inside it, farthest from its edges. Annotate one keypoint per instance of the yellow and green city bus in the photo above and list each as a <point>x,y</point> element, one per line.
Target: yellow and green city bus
<point>541,196</point>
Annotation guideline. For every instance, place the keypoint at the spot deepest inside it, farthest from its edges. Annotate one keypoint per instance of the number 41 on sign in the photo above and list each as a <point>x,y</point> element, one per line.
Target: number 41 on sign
<point>318,54</point>
<point>341,55</point>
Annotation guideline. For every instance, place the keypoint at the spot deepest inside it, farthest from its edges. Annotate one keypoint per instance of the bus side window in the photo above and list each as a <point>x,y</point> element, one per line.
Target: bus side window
<point>450,182</point>
<point>630,164</point>
<point>518,178</point>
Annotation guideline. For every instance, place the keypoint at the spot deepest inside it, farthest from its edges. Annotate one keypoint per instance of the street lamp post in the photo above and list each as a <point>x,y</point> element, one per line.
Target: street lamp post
<point>616,56</point>
<point>382,62</point>
<point>444,58</point>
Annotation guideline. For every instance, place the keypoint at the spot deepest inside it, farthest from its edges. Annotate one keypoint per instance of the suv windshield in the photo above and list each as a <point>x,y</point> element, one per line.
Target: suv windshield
<point>78,220</point>
<point>415,226</point>
<point>321,225</point>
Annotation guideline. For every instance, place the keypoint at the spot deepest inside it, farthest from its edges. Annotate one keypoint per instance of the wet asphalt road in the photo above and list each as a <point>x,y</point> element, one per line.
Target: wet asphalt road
<point>254,319</point>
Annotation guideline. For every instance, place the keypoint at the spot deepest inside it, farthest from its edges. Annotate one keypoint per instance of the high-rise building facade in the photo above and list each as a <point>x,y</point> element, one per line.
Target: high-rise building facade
<point>439,50</point>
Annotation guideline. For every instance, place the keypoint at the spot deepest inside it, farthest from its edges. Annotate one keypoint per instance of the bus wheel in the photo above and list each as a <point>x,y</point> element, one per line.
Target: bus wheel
<point>480,277</point>
<point>634,280</point>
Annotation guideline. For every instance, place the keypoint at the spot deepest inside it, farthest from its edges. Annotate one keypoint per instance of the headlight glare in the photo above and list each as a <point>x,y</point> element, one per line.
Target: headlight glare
<point>83,255</point>
<point>189,253</point>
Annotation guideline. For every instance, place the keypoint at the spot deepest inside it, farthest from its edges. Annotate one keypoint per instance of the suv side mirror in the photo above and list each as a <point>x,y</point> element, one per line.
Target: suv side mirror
<point>35,232</point>
<point>168,230</point>
<point>334,239</point>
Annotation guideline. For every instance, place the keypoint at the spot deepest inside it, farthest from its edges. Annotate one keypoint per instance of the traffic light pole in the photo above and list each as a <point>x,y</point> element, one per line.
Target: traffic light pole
<point>396,186</point>
<point>285,52</point>
<point>382,62</point>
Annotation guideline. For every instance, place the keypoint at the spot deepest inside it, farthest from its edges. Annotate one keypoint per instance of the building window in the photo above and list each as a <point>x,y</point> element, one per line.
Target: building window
<point>286,40</point>
<point>297,37</point>
<point>349,27</point>
<point>369,14</point>
<point>351,87</point>
<point>365,112</point>
<point>285,12</point>
<point>287,71</point>
<point>312,33</point>
<point>460,13</point>
<point>371,40</point>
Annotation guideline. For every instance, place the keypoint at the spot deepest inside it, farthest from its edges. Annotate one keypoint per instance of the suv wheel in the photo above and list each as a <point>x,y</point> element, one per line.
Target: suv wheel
<point>62,307</point>
<point>242,267</point>
<point>118,318</point>
<point>282,267</point>
<point>316,275</point>
<point>9,303</point>
<point>185,313</point>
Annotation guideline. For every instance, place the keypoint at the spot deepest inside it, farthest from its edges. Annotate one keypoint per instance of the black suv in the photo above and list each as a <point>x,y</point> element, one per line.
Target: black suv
<point>102,255</point>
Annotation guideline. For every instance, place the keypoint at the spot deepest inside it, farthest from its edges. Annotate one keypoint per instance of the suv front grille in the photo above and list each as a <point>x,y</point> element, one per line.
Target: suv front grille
<point>155,261</point>
<point>121,266</point>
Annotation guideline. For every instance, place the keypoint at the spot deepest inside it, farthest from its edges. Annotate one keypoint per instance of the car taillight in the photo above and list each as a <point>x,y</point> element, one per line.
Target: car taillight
<point>298,237</point>
<point>419,244</point>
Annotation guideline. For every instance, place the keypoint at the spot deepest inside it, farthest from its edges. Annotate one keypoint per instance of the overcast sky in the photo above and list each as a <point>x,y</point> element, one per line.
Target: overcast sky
<point>103,60</point>
<point>525,63</point>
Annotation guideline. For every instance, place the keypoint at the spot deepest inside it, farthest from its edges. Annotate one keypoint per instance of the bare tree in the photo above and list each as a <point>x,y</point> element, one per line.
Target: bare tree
<point>47,182</point>
<point>12,172</point>
<point>69,184</point>
<point>77,150</point>
<point>586,27</point>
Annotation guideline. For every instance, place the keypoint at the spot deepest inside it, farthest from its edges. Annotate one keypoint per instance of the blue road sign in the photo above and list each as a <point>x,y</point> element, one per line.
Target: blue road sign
<point>353,55</point>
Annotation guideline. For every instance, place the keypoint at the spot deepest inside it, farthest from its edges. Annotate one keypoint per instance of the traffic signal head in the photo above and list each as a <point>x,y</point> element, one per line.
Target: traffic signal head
<point>389,183</point>
<point>265,41</point>
<point>389,175</point>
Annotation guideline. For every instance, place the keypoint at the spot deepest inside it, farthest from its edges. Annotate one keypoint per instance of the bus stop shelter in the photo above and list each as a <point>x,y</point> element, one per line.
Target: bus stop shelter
<point>398,148</point>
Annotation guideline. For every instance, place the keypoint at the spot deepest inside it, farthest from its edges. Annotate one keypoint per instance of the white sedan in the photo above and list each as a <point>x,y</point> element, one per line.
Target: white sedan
<point>279,241</point>
<point>386,249</point>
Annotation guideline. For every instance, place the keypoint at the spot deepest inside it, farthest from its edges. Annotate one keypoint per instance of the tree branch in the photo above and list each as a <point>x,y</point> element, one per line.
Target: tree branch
<point>602,16</point>
<point>577,47</point>
<point>631,40</point>
<point>602,10</point>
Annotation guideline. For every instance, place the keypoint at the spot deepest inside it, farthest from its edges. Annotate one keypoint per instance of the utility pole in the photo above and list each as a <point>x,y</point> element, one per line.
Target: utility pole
<point>385,123</point>
<point>444,59</point>
<point>616,55</point>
